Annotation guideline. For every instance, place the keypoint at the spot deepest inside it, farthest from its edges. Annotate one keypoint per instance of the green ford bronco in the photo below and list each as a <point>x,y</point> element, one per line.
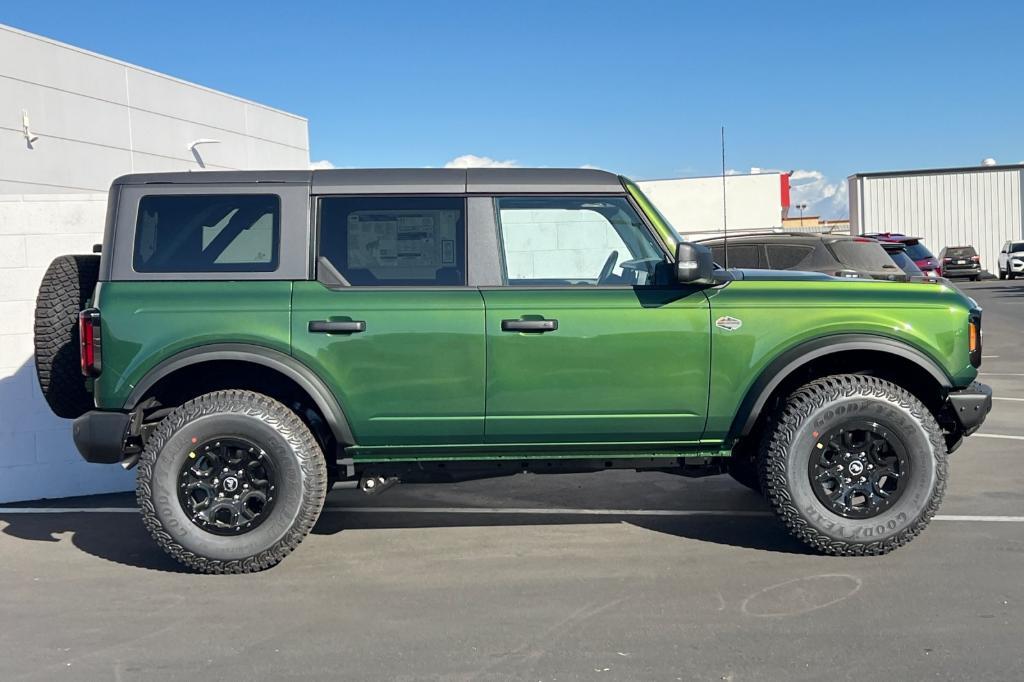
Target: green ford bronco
<point>250,339</point>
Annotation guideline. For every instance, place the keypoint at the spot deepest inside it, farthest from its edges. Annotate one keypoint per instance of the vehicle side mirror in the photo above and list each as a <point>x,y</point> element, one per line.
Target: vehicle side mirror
<point>694,264</point>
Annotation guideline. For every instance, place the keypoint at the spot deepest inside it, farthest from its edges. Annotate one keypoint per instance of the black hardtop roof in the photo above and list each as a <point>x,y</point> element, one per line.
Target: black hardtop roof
<point>403,180</point>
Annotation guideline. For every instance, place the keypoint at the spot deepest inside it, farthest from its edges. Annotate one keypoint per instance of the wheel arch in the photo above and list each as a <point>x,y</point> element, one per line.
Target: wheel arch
<point>239,354</point>
<point>918,372</point>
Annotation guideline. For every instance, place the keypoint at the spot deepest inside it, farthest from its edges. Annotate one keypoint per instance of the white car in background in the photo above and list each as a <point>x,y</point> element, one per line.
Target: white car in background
<point>1011,260</point>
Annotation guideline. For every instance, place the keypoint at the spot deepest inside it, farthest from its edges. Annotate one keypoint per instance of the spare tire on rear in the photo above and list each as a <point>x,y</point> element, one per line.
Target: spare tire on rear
<point>66,287</point>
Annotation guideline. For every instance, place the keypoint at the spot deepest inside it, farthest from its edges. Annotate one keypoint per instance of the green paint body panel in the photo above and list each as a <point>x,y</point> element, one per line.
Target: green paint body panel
<point>145,323</point>
<point>625,364</point>
<point>629,372</point>
<point>415,376</point>
<point>780,315</point>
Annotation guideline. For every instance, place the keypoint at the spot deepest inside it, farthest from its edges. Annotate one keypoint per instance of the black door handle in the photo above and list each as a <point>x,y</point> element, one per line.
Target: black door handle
<point>535,326</point>
<point>337,327</point>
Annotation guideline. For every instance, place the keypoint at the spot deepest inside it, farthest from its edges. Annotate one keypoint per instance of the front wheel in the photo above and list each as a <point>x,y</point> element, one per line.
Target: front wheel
<point>855,465</point>
<point>1002,274</point>
<point>231,482</point>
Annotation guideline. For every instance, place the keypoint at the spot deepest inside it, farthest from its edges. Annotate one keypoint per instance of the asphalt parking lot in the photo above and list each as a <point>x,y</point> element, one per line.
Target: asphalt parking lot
<point>616,575</point>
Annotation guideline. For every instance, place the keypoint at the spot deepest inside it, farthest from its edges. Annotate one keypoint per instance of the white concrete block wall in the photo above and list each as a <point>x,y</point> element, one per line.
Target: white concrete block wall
<point>37,456</point>
<point>96,118</point>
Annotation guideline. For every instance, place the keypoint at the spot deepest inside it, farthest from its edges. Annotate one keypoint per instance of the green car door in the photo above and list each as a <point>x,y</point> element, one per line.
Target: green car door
<point>390,326</point>
<point>588,342</point>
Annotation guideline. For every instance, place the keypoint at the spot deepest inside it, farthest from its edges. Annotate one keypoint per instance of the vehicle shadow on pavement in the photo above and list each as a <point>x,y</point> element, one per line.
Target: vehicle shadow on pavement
<point>763,533</point>
<point>121,538</point>
<point>117,537</point>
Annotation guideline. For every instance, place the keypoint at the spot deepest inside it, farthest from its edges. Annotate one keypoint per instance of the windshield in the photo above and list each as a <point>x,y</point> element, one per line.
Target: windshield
<point>1016,247</point>
<point>866,255</point>
<point>661,223</point>
<point>919,251</point>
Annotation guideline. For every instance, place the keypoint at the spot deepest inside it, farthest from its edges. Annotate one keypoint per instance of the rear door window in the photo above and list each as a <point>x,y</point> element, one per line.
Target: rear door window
<point>787,256</point>
<point>740,256</point>
<point>207,233</point>
<point>395,241</point>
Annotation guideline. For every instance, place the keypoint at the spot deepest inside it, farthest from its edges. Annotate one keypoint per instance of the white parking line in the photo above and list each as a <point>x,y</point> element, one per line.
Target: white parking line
<point>996,435</point>
<point>1017,400</point>
<point>1000,374</point>
<point>989,357</point>
<point>523,511</point>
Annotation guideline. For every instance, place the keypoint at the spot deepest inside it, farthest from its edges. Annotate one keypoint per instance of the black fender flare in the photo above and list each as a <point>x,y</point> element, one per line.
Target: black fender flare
<point>796,357</point>
<point>281,362</point>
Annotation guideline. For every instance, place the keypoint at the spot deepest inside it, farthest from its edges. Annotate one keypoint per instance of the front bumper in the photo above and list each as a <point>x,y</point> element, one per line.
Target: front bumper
<point>970,406</point>
<point>100,436</point>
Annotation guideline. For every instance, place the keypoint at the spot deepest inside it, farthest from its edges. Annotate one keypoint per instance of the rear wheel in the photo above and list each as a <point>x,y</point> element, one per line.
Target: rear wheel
<point>855,465</point>
<point>231,482</point>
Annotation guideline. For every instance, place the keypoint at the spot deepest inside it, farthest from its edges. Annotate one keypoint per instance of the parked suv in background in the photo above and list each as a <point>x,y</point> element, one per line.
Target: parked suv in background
<point>916,249</point>
<point>1011,260</point>
<point>837,255</point>
<point>249,339</point>
<point>960,261</point>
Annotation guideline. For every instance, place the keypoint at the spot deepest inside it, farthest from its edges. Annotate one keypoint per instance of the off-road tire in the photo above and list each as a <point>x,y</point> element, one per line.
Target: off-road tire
<point>826,403</point>
<point>293,451</point>
<point>66,287</point>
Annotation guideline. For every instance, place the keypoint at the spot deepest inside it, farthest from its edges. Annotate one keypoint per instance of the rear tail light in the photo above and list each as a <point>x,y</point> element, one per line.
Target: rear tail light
<point>947,260</point>
<point>974,338</point>
<point>975,258</point>
<point>89,342</point>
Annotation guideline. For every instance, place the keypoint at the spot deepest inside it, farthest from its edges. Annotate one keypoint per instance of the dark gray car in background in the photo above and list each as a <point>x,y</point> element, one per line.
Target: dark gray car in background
<point>837,255</point>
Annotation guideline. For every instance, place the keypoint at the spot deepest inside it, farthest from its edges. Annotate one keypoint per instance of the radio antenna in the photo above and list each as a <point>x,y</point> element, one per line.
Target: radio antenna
<point>725,225</point>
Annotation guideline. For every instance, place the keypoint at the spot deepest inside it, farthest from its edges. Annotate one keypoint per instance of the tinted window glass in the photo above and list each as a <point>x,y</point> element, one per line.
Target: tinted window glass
<point>740,256</point>
<point>1016,246</point>
<point>901,259</point>
<point>919,251</point>
<point>207,233</point>
<point>961,252</point>
<point>567,241</point>
<point>395,241</point>
<point>866,255</point>
<point>787,256</point>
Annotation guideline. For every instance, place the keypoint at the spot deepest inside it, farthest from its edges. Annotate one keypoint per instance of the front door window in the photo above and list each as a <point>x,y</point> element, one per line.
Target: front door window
<point>576,241</point>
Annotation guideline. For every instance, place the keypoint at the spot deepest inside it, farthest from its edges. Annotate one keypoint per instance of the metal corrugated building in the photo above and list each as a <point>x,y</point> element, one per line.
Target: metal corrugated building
<point>977,205</point>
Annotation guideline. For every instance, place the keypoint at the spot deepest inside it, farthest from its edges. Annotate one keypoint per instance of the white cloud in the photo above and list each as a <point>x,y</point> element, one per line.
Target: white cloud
<point>474,161</point>
<point>823,197</point>
<point>320,165</point>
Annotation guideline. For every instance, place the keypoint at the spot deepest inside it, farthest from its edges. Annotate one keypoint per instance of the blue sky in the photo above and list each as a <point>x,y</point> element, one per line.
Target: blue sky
<point>640,88</point>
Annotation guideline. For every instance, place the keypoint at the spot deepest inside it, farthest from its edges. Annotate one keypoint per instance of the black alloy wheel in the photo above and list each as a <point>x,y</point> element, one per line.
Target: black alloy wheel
<point>226,485</point>
<point>857,469</point>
